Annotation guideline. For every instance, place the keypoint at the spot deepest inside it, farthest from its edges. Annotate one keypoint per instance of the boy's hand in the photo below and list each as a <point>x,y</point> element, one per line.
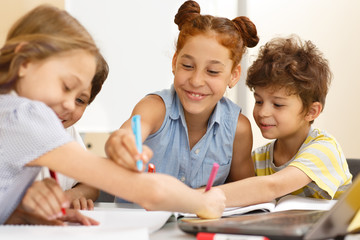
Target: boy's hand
<point>121,148</point>
<point>82,196</point>
<point>214,204</point>
<point>82,204</point>
<point>44,198</point>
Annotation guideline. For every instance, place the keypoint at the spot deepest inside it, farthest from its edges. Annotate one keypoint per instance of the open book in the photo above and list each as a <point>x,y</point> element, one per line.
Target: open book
<point>288,202</point>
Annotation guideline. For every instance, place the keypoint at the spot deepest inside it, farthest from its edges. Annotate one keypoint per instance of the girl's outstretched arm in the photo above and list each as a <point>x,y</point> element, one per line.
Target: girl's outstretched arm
<point>151,191</point>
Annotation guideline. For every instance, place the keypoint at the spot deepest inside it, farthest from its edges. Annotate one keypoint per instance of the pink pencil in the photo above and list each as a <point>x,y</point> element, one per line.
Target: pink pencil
<point>212,177</point>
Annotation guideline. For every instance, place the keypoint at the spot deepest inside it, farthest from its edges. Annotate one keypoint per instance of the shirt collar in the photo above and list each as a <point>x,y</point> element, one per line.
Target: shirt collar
<point>178,112</point>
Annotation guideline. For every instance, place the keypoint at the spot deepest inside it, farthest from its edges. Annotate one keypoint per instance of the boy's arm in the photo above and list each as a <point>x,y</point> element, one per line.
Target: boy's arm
<point>121,146</point>
<point>262,189</point>
<point>242,165</point>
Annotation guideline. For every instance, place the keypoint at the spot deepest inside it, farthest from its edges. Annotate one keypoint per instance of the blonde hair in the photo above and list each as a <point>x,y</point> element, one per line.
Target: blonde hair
<point>41,33</point>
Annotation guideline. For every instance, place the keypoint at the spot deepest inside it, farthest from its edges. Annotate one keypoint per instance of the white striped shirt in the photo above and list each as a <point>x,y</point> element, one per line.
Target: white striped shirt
<point>320,157</point>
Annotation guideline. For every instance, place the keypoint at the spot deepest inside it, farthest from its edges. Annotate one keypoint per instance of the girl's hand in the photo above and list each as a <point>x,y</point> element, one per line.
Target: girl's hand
<point>20,216</point>
<point>121,148</point>
<point>214,204</point>
<point>45,198</point>
<point>74,216</point>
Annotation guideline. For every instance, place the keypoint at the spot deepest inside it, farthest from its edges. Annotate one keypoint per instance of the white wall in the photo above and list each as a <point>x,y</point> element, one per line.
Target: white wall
<point>137,38</point>
<point>334,26</point>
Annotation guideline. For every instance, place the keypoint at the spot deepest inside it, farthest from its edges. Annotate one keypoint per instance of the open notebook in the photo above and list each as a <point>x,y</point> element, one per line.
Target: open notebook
<point>289,202</point>
<point>290,224</point>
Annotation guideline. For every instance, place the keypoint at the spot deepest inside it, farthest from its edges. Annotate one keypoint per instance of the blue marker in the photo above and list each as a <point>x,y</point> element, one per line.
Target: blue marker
<point>136,127</point>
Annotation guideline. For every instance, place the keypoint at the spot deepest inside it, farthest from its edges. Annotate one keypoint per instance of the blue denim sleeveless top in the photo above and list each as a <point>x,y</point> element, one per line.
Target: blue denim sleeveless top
<point>172,154</point>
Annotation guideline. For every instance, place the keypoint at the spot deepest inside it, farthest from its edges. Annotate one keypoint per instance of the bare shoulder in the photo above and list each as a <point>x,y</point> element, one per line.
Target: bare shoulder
<point>243,126</point>
<point>150,100</point>
<point>152,109</point>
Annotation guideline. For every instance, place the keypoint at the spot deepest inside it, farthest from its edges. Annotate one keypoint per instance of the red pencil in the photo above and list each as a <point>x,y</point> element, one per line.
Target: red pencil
<point>53,175</point>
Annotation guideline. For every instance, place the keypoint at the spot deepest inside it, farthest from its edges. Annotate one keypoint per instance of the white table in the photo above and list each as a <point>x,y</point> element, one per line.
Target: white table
<point>169,231</point>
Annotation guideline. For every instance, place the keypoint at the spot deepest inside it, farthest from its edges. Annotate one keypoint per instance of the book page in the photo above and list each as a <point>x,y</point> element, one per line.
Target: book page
<point>264,207</point>
<point>293,202</point>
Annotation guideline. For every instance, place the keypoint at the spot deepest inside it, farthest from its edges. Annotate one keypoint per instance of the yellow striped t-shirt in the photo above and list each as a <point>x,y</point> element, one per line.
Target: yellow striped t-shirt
<point>320,157</point>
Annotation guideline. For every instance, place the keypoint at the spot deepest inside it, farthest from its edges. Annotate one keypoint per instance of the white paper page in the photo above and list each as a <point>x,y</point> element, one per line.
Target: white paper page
<point>123,218</point>
<point>265,207</point>
<point>115,223</point>
<point>292,202</point>
<point>21,232</point>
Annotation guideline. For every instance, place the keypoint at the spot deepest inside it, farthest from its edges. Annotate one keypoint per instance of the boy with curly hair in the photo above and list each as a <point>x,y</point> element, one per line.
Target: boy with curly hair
<point>290,80</point>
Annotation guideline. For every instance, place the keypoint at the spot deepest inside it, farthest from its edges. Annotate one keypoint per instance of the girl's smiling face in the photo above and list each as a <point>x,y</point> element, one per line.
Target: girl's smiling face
<point>58,81</point>
<point>278,114</point>
<point>203,70</point>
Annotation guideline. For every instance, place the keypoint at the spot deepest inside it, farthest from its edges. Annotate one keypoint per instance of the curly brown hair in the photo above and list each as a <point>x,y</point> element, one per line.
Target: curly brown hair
<point>297,66</point>
<point>236,34</point>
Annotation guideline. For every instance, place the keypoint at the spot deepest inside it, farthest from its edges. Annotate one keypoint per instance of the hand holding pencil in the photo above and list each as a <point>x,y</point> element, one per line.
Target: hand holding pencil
<point>213,210</point>
<point>212,176</point>
<point>42,205</point>
<point>46,199</point>
<point>125,147</point>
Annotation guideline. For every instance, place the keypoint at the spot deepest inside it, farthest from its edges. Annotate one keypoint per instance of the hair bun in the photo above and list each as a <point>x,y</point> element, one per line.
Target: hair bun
<point>247,30</point>
<point>188,11</point>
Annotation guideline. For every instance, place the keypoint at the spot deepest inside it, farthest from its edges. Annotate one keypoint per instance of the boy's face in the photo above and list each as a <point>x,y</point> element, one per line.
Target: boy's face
<point>61,82</point>
<point>278,114</point>
<point>81,103</point>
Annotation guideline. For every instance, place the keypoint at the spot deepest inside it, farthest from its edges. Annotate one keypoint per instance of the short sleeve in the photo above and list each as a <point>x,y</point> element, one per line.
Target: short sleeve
<point>31,130</point>
<point>324,162</point>
<point>28,130</point>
